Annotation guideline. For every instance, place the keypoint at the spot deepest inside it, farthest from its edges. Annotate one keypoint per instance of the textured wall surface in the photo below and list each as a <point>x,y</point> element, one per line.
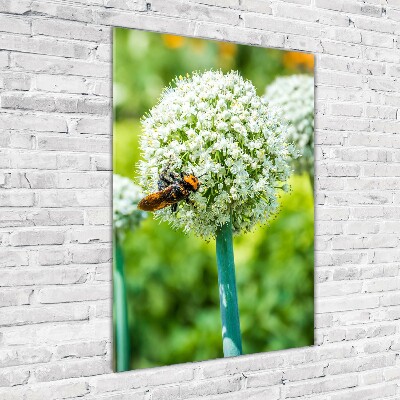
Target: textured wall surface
<point>55,162</point>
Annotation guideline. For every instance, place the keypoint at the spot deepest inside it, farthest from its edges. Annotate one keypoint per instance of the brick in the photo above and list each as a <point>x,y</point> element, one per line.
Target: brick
<point>90,235</point>
<point>41,123</point>
<point>14,25</point>
<point>322,386</point>
<point>81,349</point>
<point>81,198</point>
<point>85,255</point>
<point>63,389</point>
<point>15,297</point>
<point>71,369</point>
<point>359,302</point>
<point>53,334</point>
<point>70,30</point>
<point>97,145</point>
<point>43,276</point>
<point>259,6</point>
<point>13,378</point>
<point>19,7</point>
<point>34,238</point>
<point>95,126</point>
<point>14,258</point>
<point>64,11</point>
<point>74,293</point>
<point>23,355</point>
<point>24,199</point>
<point>36,315</point>
<point>59,65</point>
<point>45,46</point>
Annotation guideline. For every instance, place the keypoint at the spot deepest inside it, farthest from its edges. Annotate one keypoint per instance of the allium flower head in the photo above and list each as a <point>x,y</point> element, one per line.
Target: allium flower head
<point>216,127</point>
<point>293,98</point>
<point>126,196</point>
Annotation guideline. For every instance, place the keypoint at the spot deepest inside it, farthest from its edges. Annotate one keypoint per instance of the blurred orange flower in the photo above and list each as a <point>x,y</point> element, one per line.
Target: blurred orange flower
<point>296,60</point>
<point>227,49</point>
<point>172,41</point>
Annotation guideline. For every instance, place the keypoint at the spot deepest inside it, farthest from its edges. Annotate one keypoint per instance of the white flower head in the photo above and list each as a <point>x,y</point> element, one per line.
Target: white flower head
<point>216,127</point>
<point>126,196</point>
<point>293,98</point>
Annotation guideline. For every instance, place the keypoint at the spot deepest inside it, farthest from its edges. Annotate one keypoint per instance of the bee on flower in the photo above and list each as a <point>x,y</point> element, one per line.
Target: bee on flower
<point>217,127</point>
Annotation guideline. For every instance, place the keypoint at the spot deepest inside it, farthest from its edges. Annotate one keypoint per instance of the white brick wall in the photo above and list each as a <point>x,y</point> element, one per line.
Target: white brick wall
<point>55,161</point>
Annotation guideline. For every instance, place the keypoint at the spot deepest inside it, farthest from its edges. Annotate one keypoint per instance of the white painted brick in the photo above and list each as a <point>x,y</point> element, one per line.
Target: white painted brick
<point>35,315</point>
<point>58,65</point>
<point>15,297</point>
<point>34,238</point>
<point>98,145</point>
<point>68,12</point>
<point>65,389</point>
<point>99,216</point>
<point>56,256</point>
<point>43,123</point>
<point>164,376</point>
<point>46,46</point>
<point>302,373</point>
<point>81,349</point>
<point>13,258</point>
<point>23,355</point>
<point>367,393</point>
<point>325,385</point>
<point>17,140</point>
<point>73,162</point>
<point>81,198</point>
<point>53,334</point>
<point>24,199</point>
<point>10,377</point>
<point>71,369</point>
<point>58,294</point>
<point>341,49</point>
<point>359,302</point>
<point>55,217</point>
<point>258,6</point>
<point>19,7</point>
<point>198,12</point>
<point>14,25</point>
<point>70,30</point>
<point>97,126</point>
<point>90,235</point>
<point>102,162</point>
<point>264,379</point>
<point>52,276</point>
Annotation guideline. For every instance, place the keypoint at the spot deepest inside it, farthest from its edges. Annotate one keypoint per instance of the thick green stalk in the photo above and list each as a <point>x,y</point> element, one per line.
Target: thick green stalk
<point>121,335</point>
<point>232,341</point>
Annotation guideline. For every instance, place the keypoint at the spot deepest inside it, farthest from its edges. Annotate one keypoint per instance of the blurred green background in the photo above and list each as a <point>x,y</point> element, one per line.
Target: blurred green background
<point>172,277</point>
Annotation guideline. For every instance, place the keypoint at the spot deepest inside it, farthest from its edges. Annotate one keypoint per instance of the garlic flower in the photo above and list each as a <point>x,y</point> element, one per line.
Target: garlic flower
<point>293,98</point>
<point>215,126</point>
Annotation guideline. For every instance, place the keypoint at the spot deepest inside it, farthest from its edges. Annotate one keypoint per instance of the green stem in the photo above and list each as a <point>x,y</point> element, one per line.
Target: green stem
<point>231,338</point>
<point>311,176</point>
<point>120,309</point>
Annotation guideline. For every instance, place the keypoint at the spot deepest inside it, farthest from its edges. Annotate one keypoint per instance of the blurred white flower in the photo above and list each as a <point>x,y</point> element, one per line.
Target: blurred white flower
<point>126,196</point>
<point>293,98</point>
<point>216,127</point>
